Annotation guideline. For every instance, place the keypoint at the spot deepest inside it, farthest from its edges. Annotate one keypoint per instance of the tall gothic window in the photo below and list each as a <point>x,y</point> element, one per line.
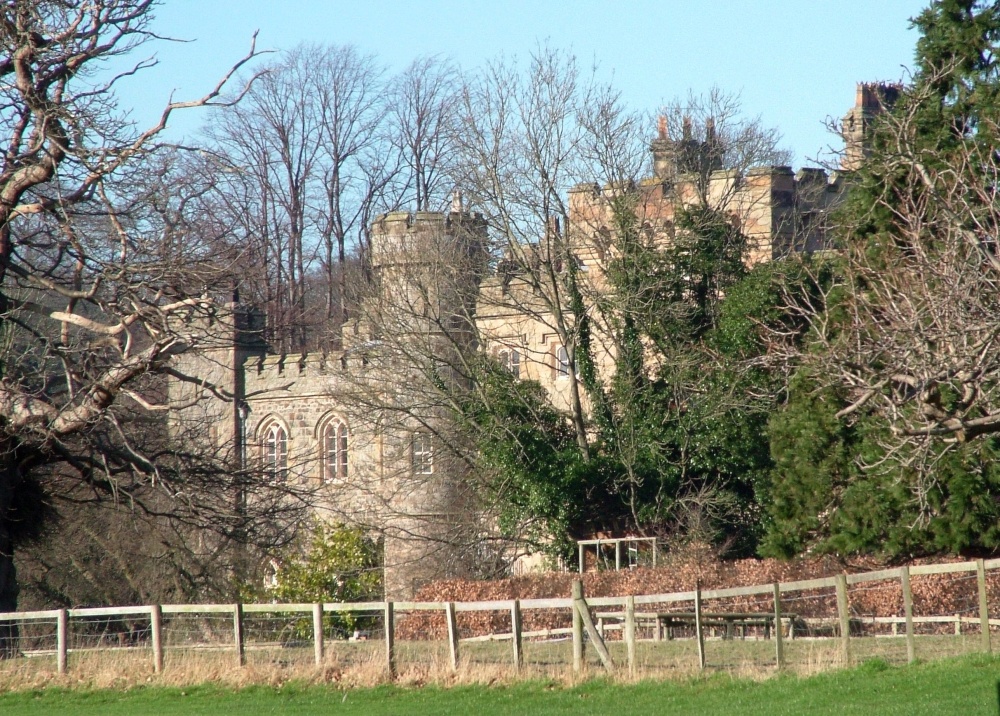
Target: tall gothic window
<point>423,454</point>
<point>335,450</point>
<point>274,453</point>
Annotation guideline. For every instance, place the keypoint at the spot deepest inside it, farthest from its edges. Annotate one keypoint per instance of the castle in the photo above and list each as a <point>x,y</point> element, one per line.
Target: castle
<point>363,424</point>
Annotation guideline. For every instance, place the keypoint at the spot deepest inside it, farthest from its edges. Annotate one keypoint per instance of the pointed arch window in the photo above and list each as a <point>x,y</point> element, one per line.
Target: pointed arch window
<point>335,450</point>
<point>274,453</point>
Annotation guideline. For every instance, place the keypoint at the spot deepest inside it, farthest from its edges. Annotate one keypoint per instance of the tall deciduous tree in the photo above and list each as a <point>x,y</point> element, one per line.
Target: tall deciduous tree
<point>654,437</point>
<point>91,308</point>
<point>423,113</point>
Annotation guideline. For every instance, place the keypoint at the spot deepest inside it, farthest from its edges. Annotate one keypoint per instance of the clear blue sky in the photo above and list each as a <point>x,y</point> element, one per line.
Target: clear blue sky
<point>795,62</point>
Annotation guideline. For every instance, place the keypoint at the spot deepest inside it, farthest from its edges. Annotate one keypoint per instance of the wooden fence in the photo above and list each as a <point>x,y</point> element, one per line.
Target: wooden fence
<point>621,616</point>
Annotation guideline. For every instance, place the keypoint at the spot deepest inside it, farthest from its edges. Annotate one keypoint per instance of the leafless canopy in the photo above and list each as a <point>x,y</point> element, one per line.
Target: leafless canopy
<point>98,287</point>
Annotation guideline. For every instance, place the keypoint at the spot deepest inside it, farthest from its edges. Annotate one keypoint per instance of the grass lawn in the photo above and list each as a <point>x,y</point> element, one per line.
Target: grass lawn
<point>965,686</point>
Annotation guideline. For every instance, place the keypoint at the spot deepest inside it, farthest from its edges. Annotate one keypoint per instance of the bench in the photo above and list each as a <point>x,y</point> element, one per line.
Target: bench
<point>665,622</point>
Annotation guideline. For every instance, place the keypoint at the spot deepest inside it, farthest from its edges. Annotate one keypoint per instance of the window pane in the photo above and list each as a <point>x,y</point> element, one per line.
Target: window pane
<point>275,454</point>
<point>423,455</point>
<point>342,450</point>
<point>562,361</point>
<point>335,451</point>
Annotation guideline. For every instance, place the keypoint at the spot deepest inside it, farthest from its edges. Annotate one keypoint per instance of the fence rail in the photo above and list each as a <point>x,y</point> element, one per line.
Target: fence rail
<point>782,613</point>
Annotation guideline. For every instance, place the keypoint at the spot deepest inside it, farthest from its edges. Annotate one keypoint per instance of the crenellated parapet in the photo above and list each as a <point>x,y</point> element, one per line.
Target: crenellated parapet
<point>403,237</point>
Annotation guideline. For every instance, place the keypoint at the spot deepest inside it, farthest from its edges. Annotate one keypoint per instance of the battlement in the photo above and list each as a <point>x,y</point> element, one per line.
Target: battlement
<point>264,372</point>
<point>875,96</point>
<point>397,223</point>
<point>402,237</point>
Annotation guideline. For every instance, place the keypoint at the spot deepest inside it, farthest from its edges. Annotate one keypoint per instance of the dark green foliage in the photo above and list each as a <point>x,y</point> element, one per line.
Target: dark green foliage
<point>684,443</point>
<point>813,462</point>
<point>957,62</point>
<point>676,445</point>
<point>541,480</point>
<point>833,491</point>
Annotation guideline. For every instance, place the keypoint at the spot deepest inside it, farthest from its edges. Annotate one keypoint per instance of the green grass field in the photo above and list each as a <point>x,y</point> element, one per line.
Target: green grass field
<point>967,686</point>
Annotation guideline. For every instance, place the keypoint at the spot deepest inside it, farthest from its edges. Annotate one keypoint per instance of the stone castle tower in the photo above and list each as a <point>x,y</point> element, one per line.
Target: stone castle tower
<point>360,431</point>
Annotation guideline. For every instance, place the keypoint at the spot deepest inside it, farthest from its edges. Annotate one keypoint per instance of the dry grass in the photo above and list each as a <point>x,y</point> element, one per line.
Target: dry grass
<point>363,664</point>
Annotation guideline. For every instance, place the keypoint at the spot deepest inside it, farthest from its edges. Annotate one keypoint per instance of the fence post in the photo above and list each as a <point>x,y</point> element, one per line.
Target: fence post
<point>580,605</point>
<point>984,610</point>
<point>241,655</point>
<point>697,624</point>
<point>779,649</point>
<point>904,579</point>
<point>630,632</point>
<point>845,617</point>
<point>390,640</point>
<point>581,558</point>
<point>618,555</point>
<point>577,593</point>
<point>156,627</point>
<point>62,634</point>
<point>449,613</point>
<point>515,630</point>
<point>318,633</point>
<point>958,625</point>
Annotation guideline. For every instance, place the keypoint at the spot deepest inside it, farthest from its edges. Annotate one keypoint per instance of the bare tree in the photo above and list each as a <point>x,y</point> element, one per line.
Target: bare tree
<point>272,146</point>
<point>713,133</point>
<point>91,308</point>
<point>423,107</point>
<point>298,170</point>
<point>521,153</point>
<point>352,109</point>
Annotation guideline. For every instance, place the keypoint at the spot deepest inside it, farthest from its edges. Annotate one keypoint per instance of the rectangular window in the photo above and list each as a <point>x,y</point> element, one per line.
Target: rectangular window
<point>423,454</point>
<point>511,360</point>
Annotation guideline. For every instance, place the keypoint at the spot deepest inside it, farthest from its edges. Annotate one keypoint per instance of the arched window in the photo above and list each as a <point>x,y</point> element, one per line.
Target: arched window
<point>334,445</point>
<point>274,452</point>
<point>423,454</point>
<point>562,362</point>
